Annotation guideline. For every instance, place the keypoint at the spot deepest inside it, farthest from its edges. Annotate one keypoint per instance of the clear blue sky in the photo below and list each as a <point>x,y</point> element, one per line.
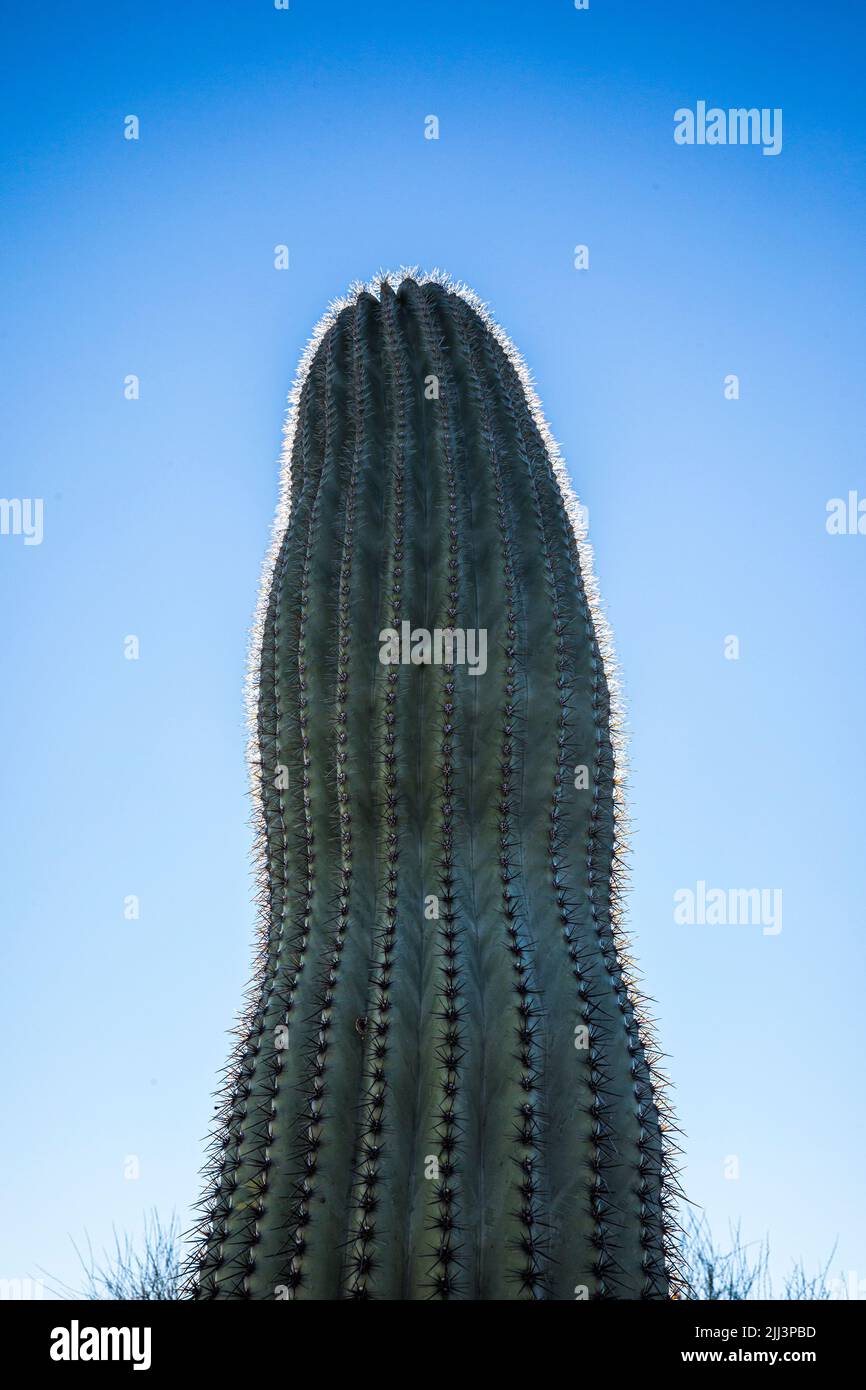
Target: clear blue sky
<point>155,257</point>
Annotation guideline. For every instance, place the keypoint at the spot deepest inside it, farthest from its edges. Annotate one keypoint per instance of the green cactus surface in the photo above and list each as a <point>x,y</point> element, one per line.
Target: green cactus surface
<point>445,1085</point>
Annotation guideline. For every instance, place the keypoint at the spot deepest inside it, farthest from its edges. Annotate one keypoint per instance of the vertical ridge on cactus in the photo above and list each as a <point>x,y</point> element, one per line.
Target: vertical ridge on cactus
<point>444,1083</point>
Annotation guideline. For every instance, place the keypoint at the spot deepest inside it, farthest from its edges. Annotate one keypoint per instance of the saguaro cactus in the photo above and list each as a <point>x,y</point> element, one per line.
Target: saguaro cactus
<point>443,1086</point>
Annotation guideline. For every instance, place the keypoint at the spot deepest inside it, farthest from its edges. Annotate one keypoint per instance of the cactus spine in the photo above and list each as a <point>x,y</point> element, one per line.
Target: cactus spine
<point>443,1085</point>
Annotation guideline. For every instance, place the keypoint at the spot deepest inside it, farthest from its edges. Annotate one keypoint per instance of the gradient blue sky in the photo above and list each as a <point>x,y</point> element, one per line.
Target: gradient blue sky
<point>155,257</point>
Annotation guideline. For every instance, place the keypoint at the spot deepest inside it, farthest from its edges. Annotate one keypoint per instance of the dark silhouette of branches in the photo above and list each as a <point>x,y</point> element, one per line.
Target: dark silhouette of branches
<point>143,1270</point>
